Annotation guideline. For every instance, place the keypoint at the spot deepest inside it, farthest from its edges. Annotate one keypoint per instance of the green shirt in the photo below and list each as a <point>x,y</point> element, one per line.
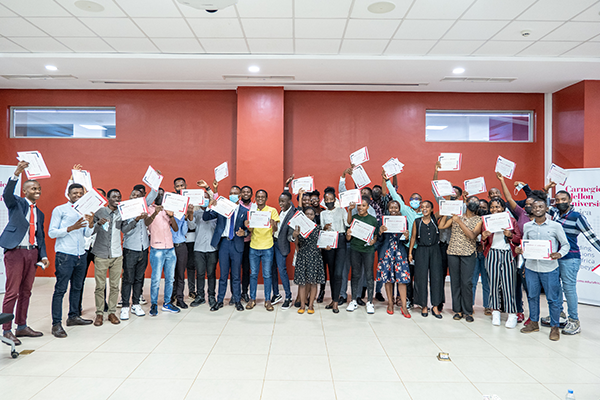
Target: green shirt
<point>359,245</point>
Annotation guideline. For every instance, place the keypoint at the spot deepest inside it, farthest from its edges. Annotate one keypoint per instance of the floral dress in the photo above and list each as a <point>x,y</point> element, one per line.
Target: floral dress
<point>309,263</point>
<point>393,265</point>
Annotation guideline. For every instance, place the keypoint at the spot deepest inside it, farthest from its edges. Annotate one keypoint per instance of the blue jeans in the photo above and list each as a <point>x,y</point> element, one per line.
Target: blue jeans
<point>229,260</point>
<point>485,280</point>
<point>256,257</point>
<point>68,269</point>
<point>551,283</point>
<point>280,265</point>
<point>568,276</point>
<point>159,259</point>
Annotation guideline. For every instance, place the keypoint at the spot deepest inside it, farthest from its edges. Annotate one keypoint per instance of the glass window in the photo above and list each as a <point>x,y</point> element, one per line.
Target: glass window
<point>62,122</point>
<point>479,126</point>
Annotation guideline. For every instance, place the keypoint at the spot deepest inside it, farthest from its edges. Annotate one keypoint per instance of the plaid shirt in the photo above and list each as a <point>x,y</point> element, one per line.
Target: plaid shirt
<point>573,224</point>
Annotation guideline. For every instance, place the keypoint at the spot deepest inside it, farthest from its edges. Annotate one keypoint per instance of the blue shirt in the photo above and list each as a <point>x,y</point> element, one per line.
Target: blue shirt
<point>179,236</point>
<point>410,213</point>
<point>573,224</point>
<point>72,243</point>
<point>547,230</point>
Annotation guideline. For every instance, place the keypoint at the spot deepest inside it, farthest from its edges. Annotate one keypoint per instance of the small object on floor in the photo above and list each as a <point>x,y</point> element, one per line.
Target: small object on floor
<point>443,356</point>
<point>487,311</point>
<point>379,296</point>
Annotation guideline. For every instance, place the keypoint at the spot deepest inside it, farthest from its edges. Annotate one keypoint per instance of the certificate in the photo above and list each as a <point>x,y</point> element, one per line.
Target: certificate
<point>221,172</point>
<point>196,196</point>
<point>442,188</point>
<point>307,183</point>
<point>305,224</point>
<point>152,178</point>
<point>395,223</point>
<point>451,207</point>
<point>132,208</point>
<point>497,222</point>
<point>359,156</point>
<point>362,230</point>
<point>350,196</point>
<point>393,167</point>
<point>224,206</point>
<point>475,186</point>
<point>89,203</point>
<point>83,178</point>
<point>360,177</point>
<point>558,175</point>
<point>176,203</point>
<point>37,167</point>
<point>328,238</point>
<point>505,167</point>
<point>536,249</point>
<point>450,161</point>
<point>259,219</point>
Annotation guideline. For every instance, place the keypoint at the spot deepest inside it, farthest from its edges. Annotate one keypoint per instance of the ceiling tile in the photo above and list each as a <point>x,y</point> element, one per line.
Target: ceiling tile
<point>360,10</point>
<point>421,29</point>
<point>574,31</point>
<point>319,28</point>
<point>538,30</point>
<point>165,27</point>
<point>317,46</point>
<point>110,9</point>
<point>34,8</point>
<point>322,9</point>
<point>371,29</point>
<point>41,44</point>
<point>265,8</point>
<point>455,47</point>
<point>409,47</point>
<point>113,27</point>
<point>268,28</point>
<point>216,28</point>
<point>6,46</point>
<point>435,9</point>
<point>474,30</point>
<point>585,50</point>
<point>555,10</point>
<point>547,49</point>
<point>271,46</point>
<point>175,46</point>
<point>225,46</point>
<point>132,45</point>
<point>191,12</point>
<point>15,27</point>
<point>145,8</point>
<point>5,12</point>
<point>592,14</point>
<point>87,45</point>
<point>363,47</point>
<point>69,27</point>
<point>494,9</point>
<point>501,48</point>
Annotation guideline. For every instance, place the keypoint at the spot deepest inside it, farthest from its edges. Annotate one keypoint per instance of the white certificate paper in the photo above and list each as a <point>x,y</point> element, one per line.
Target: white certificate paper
<point>328,238</point>
<point>83,178</point>
<point>475,186</point>
<point>305,224</point>
<point>451,207</point>
<point>259,219</point>
<point>536,249</point>
<point>395,223</point>
<point>442,188</point>
<point>359,156</point>
<point>152,178</point>
<point>361,230</point>
<point>37,167</point>
<point>360,177</point>
<point>497,222</point>
<point>89,203</point>
<point>450,161</point>
<point>307,183</point>
<point>505,167</point>
<point>221,172</point>
<point>558,175</point>
<point>350,196</point>
<point>224,206</point>
<point>393,167</point>
<point>196,196</point>
<point>176,203</point>
<point>132,208</point>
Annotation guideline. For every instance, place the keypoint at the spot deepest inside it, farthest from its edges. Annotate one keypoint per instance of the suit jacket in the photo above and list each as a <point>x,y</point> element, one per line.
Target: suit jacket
<point>285,233</point>
<point>18,225</point>
<point>238,241</point>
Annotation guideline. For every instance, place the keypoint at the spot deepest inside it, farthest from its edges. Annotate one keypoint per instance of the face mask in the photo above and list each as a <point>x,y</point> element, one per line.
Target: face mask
<point>472,206</point>
<point>528,209</point>
<point>452,197</point>
<point>562,207</point>
<point>234,198</point>
<point>330,205</point>
<point>518,188</point>
<point>376,195</point>
<point>482,211</point>
<point>206,202</point>
<point>415,204</point>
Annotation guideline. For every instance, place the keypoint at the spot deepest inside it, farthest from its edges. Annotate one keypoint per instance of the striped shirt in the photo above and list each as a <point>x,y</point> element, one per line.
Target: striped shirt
<point>573,224</point>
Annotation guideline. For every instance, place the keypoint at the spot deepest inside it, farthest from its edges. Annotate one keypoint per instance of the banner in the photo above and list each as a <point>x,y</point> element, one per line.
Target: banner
<point>584,187</point>
<point>6,171</point>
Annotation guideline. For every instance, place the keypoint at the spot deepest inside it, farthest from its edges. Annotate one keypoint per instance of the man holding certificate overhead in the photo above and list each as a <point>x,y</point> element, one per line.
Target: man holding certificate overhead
<point>541,239</point>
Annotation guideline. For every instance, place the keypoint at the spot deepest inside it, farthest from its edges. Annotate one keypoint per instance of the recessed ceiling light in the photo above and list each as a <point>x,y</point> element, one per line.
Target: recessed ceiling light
<point>90,6</point>
<point>381,7</point>
<point>51,68</point>
<point>254,68</point>
<point>458,70</point>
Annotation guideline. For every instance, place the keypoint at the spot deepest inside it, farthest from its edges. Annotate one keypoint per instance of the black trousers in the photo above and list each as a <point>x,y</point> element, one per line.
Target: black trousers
<point>410,286</point>
<point>362,263</point>
<point>134,270</point>
<point>428,269</point>
<point>246,268</point>
<point>206,265</point>
<point>444,253</point>
<point>461,282</point>
<point>89,258</point>
<point>334,260</point>
<point>181,252</point>
<point>191,268</point>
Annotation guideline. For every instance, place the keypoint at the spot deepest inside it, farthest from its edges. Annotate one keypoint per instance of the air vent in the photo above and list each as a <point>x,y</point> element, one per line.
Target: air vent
<point>42,77</point>
<point>477,79</point>
<point>258,78</point>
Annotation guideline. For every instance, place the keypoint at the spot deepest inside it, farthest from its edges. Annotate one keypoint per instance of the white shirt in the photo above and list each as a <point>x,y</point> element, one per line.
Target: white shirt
<point>499,243</point>
<point>282,215</point>
<point>25,241</point>
<point>227,224</point>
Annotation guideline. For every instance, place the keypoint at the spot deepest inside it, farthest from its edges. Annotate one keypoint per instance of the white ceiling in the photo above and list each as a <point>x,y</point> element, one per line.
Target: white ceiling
<point>322,44</point>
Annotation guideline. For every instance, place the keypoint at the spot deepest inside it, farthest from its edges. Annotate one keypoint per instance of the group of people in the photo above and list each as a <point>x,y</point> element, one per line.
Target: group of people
<point>412,265</point>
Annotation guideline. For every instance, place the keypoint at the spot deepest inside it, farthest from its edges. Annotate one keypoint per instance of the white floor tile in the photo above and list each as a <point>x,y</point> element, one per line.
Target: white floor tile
<point>186,344</point>
<point>131,343</point>
<point>362,391</point>
<point>41,363</point>
<point>242,344</point>
<point>152,389</point>
<point>106,365</point>
<point>446,391</point>
<point>582,391</point>
<point>479,369</point>
<point>413,346</point>
<point>529,391</point>
<point>223,390</point>
<point>354,346</point>
<point>90,388</point>
<point>472,347</point>
<point>301,368</point>
<point>22,387</point>
<point>556,370</point>
<point>426,369</point>
<point>298,345</point>
<point>170,366</point>
<point>363,368</point>
<point>224,367</point>
<point>298,390</point>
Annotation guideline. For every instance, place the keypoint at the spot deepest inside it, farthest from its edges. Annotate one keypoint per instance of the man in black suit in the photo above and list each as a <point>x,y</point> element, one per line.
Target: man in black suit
<point>24,246</point>
<point>282,238</point>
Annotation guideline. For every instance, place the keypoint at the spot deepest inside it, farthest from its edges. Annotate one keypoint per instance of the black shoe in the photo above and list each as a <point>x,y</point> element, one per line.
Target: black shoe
<point>239,306</point>
<point>231,302</point>
<point>336,310</point>
<point>58,331</point>
<point>457,317</point>
<point>276,299</point>
<point>379,296</point>
<point>364,292</point>
<point>360,302</point>
<point>197,301</point>
<point>78,321</point>
<point>211,301</point>
<point>341,301</point>
<point>181,304</point>
<point>216,306</point>
<point>469,318</point>
<point>321,295</point>
<point>245,297</point>
<point>286,304</point>
<point>297,304</point>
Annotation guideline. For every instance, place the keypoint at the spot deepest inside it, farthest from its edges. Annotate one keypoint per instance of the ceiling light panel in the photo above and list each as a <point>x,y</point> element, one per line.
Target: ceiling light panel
<point>319,28</point>
<point>435,9</point>
<point>113,27</point>
<point>67,27</point>
<point>371,29</point>
<point>17,27</point>
<point>547,49</point>
<point>474,30</point>
<point>110,9</point>
<point>145,8</point>
<point>322,9</point>
<point>413,29</point>
<point>35,8</point>
<point>165,27</point>
<point>268,28</point>
<point>497,10</point>
<point>574,31</point>
<point>216,28</point>
<point>41,45</point>
<point>555,10</point>
<point>265,9</point>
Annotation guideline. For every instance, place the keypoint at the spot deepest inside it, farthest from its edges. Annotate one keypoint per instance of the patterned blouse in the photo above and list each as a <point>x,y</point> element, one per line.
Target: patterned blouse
<point>460,244</point>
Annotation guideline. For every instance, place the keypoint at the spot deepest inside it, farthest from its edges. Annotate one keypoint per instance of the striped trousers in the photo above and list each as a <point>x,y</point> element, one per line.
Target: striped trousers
<point>502,270</point>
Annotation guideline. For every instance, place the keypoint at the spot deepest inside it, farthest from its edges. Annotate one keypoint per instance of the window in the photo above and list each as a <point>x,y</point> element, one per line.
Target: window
<point>62,122</point>
<point>479,126</point>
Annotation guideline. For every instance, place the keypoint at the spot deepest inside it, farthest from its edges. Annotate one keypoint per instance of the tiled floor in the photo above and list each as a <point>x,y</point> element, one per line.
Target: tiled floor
<point>255,354</point>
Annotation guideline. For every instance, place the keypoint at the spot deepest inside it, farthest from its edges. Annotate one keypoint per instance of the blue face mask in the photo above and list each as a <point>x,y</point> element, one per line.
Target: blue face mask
<point>206,201</point>
<point>415,204</point>
<point>234,198</point>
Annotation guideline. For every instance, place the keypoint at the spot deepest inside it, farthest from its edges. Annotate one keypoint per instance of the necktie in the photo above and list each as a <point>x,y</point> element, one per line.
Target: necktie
<point>31,225</point>
<point>231,226</point>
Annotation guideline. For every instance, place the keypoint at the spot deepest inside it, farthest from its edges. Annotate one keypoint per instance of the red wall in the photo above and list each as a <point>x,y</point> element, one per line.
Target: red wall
<point>568,126</point>
<point>591,124</point>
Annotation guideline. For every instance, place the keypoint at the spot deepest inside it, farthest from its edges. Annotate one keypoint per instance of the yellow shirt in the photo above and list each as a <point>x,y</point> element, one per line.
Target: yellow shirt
<point>262,238</point>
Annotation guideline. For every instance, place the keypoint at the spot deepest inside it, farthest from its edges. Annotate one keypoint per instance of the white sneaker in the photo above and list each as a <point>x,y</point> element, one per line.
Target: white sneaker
<point>353,305</point>
<point>137,310</point>
<point>511,322</point>
<point>125,313</point>
<point>370,308</point>
<point>496,318</point>
<point>142,300</point>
